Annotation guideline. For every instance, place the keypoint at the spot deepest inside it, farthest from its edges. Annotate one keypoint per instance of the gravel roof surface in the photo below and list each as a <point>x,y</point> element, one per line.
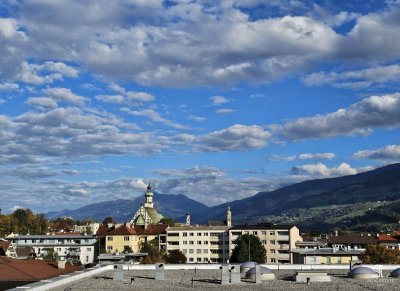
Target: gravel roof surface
<point>210,279</point>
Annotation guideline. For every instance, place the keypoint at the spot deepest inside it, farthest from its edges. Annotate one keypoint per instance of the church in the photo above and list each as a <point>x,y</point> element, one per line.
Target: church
<point>146,214</point>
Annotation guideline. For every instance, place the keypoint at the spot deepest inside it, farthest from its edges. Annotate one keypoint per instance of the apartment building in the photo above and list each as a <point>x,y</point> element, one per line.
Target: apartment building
<point>200,244</point>
<point>67,246</point>
<point>278,240</point>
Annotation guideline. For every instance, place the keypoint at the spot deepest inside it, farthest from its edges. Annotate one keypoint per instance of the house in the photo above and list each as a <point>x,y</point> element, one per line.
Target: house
<point>351,242</point>
<point>67,246</point>
<point>17,272</point>
<point>389,241</point>
<point>134,236</point>
<point>330,256</point>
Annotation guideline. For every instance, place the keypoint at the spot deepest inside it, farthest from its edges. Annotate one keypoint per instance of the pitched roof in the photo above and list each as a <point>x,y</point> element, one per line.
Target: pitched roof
<point>30,270</point>
<point>103,230</point>
<point>352,239</point>
<point>387,238</point>
<point>152,229</point>
<point>4,244</point>
<point>24,251</point>
<point>122,230</point>
<point>154,215</point>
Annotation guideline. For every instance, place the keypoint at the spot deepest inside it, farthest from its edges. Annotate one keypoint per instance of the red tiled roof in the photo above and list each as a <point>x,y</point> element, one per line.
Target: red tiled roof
<point>30,270</point>
<point>386,238</point>
<point>122,230</point>
<point>352,239</point>
<point>152,229</point>
<point>4,244</point>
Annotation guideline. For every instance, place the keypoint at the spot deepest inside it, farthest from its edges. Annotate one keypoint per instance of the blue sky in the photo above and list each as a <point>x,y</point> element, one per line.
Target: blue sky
<point>217,100</point>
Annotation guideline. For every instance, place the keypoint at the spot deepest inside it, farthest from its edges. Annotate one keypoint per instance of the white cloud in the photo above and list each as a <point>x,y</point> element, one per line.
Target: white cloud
<point>388,153</point>
<point>235,138</point>
<point>225,111</point>
<point>372,112</point>
<point>8,87</point>
<point>219,100</point>
<point>154,117</point>
<point>320,170</point>
<point>355,79</point>
<point>41,102</point>
<point>64,95</point>
<point>304,156</point>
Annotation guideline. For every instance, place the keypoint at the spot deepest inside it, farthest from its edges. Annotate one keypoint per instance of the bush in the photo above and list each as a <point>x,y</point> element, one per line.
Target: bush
<point>175,257</point>
<point>377,254</point>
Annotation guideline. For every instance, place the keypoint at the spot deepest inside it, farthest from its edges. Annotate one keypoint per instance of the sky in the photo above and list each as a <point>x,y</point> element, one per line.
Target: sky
<point>216,100</point>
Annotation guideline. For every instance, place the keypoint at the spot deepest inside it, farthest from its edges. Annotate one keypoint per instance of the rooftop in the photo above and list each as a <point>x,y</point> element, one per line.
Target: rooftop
<point>198,227</point>
<point>264,226</point>
<point>54,236</point>
<point>326,251</point>
<point>352,239</point>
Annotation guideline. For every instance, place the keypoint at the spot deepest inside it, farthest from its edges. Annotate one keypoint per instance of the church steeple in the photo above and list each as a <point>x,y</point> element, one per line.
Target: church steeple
<point>149,198</point>
<point>229,217</point>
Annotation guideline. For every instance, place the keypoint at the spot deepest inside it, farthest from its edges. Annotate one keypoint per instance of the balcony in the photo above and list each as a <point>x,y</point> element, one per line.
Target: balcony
<point>283,247</point>
<point>283,237</point>
<point>283,256</point>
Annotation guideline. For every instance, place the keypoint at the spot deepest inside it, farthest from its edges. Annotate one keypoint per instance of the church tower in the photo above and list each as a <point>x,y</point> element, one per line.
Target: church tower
<point>229,217</point>
<point>187,219</point>
<point>149,198</point>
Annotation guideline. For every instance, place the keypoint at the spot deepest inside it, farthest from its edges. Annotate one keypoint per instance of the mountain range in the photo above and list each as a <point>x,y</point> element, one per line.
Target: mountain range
<point>315,204</point>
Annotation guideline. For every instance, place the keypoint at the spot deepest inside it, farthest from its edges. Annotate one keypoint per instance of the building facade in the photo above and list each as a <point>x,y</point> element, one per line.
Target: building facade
<point>278,240</point>
<point>68,247</point>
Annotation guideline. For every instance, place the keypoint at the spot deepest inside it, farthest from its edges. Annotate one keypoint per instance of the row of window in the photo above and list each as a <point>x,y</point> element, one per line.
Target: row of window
<point>204,251</point>
<point>185,234</point>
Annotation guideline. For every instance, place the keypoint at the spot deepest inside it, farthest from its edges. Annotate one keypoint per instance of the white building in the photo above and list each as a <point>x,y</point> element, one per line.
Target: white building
<point>67,246</point>
<point>200,244</point>
<point>83,229</point>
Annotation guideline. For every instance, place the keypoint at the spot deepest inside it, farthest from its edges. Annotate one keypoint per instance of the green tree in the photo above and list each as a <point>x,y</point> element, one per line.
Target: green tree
<point>153,254</point>
<point>241,251</point>
<point>378,254</point>
<point>50,256</point>
<point>127,249</point>
<point>168,221</point>
<point>88,230</point>
<point>175,257</point>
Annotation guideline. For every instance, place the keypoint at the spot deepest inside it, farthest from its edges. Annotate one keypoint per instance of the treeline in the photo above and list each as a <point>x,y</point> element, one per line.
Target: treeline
<point>23,221</point>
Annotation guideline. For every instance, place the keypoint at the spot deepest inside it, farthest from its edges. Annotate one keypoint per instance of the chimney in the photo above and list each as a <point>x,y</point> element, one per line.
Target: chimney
<point>61,264</point>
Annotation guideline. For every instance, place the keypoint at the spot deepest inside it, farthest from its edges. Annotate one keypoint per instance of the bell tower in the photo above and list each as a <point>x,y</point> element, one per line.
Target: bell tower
<point>149,198</point>
<point>229,217</point>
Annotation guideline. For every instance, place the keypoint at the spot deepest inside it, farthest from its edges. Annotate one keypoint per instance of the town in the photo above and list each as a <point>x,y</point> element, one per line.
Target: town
<point>150,238</point>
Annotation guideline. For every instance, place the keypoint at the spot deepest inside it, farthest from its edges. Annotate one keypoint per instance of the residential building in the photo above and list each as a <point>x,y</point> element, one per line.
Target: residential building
<point>67,246</point>
<point>278,240</point>
<point>389,241</point>
<point>89,228</point>
<point>200,243</point>
<point>134,236</point>
<point>324,256</point>
<point>351,242</point>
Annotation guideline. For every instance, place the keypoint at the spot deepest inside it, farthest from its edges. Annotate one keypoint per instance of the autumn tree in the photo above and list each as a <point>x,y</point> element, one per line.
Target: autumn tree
<point>378,254</point>
<point>244,244</point>
<point>153,254</point>
<point>175,257</point>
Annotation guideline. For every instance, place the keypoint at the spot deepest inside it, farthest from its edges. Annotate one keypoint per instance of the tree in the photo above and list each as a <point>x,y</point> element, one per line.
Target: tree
<point>241,251</point>
<point>88,230</point>
<point>175,257</point>
<point>50,256</point>
<point>378,254</point>
<point>153,254</point>
<point>127,249</point>
<point>167,220</point>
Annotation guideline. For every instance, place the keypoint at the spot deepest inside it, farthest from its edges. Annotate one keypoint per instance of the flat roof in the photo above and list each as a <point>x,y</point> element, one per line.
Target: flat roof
<point>325,251</point>
<point>197,228</point>
<point>50,237</point>
<point>263,226</point>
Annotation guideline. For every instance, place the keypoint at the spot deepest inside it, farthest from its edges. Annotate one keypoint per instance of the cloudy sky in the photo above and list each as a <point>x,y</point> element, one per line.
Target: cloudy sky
<point>216,100</point>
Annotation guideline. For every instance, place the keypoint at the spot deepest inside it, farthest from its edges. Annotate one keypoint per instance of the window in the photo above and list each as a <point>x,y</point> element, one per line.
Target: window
<point>58,249</point>
<point>184,252</point>
<point>109,238</point>
<point>272,233</point>
<point>264,242</point>
<point>199,242</point>
<point>109,248</point>
<point>206,234</point>
<point>190,259</point>
<point>191,242</point>
<point>87,258</point>
<point>272,260</point>
<point>272,242</point>
<point>272,251</point>
<point>206,242</point>
<point>191,233</point>
<point>236,233</point>
<point>88,249</point>
<point>184,234</point>
<point>255,232</point>
<point>263,232</point>
<point>185,242</point>
<point>173,234</point>
<point>199,259</point>
<point>199,234</point>
<point>205,251</point>
<point>198,251</point>
<point>126,238</point>
<point>191,251</point>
